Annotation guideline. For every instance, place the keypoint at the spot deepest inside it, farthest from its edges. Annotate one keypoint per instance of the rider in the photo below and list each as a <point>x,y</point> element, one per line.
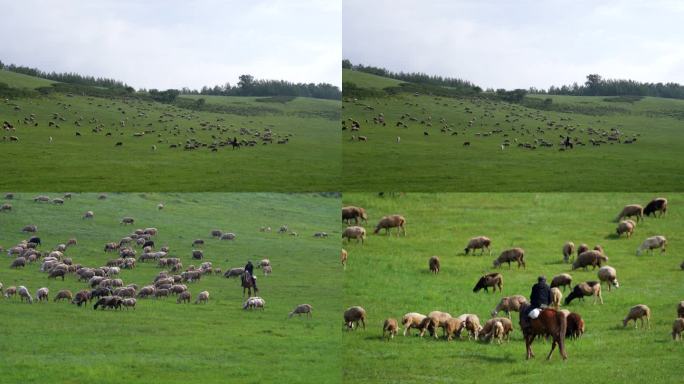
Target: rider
<point>540,298</point>
<point>250,268</point>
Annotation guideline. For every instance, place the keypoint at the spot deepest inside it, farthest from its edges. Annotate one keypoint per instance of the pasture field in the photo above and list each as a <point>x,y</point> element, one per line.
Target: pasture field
<point>440,161</point>
<point>161,341</point>
<point>388,276</point>
<point>192,152</point>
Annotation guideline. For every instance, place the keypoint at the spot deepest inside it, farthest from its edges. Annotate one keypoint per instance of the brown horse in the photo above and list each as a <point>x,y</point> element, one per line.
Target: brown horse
<point>549,323</point>
<point>248,284</point>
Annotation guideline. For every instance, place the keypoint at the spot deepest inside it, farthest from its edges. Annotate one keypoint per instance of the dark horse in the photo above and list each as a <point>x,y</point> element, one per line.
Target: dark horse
<point>235,143</point>
<point>248,284</point>
<point>549,323</point>
<point>567,143</point>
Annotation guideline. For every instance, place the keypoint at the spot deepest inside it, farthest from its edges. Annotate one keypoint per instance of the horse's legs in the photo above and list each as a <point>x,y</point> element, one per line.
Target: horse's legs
<point>553,346</point>
<point>528,344</point>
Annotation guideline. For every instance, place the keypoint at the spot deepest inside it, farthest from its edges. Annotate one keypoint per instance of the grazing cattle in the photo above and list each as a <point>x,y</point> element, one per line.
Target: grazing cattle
<point>350,213</point>
<point>493,280</point>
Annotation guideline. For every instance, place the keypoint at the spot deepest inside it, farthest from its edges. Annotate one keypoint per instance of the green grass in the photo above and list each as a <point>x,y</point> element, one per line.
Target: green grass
<point>389,276</point>
<point>310,161</point>
<point>19,80</point>
<point>440,162</point>
<point>368,80</point>
<point>164,342</point>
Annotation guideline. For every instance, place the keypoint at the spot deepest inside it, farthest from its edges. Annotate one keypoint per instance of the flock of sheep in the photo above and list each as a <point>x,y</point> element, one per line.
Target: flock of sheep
<point>499,328</point>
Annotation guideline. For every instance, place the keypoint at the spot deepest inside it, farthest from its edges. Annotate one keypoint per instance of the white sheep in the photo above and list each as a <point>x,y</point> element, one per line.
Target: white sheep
<point>652,243</point>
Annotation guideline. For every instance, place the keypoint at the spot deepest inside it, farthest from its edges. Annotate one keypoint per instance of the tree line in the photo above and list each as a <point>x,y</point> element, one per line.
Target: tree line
<point>67,77</point>
<point>595,85</point>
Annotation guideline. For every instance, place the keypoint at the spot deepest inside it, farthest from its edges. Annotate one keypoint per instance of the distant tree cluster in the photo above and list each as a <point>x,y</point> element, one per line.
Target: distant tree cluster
<point>249,86</point>
<point>67,77</point>
<point>598,86</point>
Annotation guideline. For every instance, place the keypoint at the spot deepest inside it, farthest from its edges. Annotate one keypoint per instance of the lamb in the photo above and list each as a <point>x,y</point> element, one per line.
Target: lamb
<point>633,210</point>
<point>556,296</point>
<point>390,328</point>
<point>254,303</point>
<point>508,304</point>
<point>354,232</point>
<point>88,215</point>
<point>433,264</point>
<point>412,320</point>
<point>184,296</point>
<point>479,242</point>
<point>568,250</point>
<point>513,254</point>
<point>608,275</point>
<point>301,309</point>
<point>434,320</point>
<point>590,288</point>
<point>129,303</point>
<point>343,258</point>
<point>350,213</point>
<point>585,259</point>
<point>658,204</point>
<point>488,330</point>
<point>127,220</point>
<point>354,315</point>
<point>561,280</point>
<point>24,294</point>
<point>490,280</point>
<point>203,297</point>
<point>42,294</point>
<point>625,226</point>
<point>63,294</point>
<point>638,311</point>
<point>652,243</point>
<point>677,328</point>
<point>389,222</point>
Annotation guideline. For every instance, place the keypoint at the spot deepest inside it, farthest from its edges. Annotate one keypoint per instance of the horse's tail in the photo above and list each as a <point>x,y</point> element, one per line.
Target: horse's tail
<point>563,328</point>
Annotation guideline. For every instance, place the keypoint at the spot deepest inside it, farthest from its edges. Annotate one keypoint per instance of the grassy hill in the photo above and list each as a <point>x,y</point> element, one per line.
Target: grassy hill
<point>161,341</point>
<point>368,80</point>
<point>19,80</point>
<point>388,276</point>
<point>431,154</point>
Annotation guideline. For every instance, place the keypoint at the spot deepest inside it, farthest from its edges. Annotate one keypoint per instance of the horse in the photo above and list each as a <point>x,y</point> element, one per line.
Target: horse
<point>549,323</point>
<point>248,284</point>
<point>235,143</point>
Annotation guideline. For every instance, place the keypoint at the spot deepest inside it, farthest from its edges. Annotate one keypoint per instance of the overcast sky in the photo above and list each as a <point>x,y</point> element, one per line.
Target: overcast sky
<point>176,43</point>
<point>518,44</point>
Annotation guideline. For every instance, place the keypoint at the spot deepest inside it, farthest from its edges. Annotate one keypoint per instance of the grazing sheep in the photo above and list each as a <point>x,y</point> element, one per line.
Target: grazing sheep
<point>88,215</point>
<point>254,303</point>
<point>575,327</point>
<point>472,325</point>
<point>677,328</point>
<point>582,248</point>
<point>184,296</point>
<point>301,309</point>
<point>63,294</point>
<point>113,302</point>
<point>146,291</point>
<point>197,242</point>
<point>556,296</point>
<point>203,297</point>
<point>55,273</point>
<point>479,242</point>
<point>228,236</point>
<point>453,327</point>
<point>24,294</point>
<point>658,204</point>
<point>343,258</point>
<point>197,255</point>
<point>585,259</point>
<point>639,311</point>
<point>233,272</point>
<point>434,320</point>
<point>412,320</point>
<point>508,304</point>
<point>161,292</point>
<point>30,229</point>
<point>633,210</point>
<point>498,331</point>
<point>129,303</point>
<point>389,222</point>
<point>390,328</point>
<point>216,233</point>
<point>19,262</point>
<point>652,243</point>
<point>350,213</point>
<point>489,280</point>
<point>590,288</point>
<point>354,315</point>
<point>513,254</point>
<point>127,220</point>
<point>598,248</point>
<point>433,264</point>
<point>625,226</point>
<point>354,232</point>
<point>6,207</point>
<point>568,251</point>
<point>81,297</point>
<point>680,309</point>
<point>608,275</point>
<point>487,332</point>
<point>562,280</point>
<point>10,291</point>
<point>42,294</point>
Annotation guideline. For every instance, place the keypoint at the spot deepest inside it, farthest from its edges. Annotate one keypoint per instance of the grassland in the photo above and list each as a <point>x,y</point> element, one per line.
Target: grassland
<point>439,161</point>
<point>19,80</point>
<point>164,342</point>
<point>309,161</point>
<point>389,276</point>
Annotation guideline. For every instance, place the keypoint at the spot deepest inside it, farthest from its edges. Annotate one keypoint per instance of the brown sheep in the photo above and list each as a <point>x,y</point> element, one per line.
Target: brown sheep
<point>487,332</point>
<point>434,320</point>
<point>556,296</point>
<point>508,304</point>
<point>498,331</point>
<point>593,258</point>
<point>412,320</point>
<point>677,328</point>
<point>127,220</point>
<point>354,315</point>
<point>625,226</point>
<point>64,294</point>
<point>568,251</point>
<point>453,327</point>
<point>10,291</point>
<point>354,232</point>
<point>390,328</point>
<point>184,296</point>
<point>513,254</point>
<point>633,210</point>
<point>575,327</point>
<point>489,280</point>
<point>350,213</point>
<point>638,311</point>
<point>389,222</point>
<point>433,264</point>
<point>680,309</point>
<point>343,258</point>
<point>589,288</point>
<point>562,280</point>
<point>479,242</point>
<point>301,309</point>
<point>472,325</point>
<point>19,262</point>
<point>582,248</point>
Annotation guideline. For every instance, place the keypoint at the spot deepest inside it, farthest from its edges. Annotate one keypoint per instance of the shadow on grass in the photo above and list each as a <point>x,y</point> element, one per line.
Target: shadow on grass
<point>493,359</point>
<point>612,236</point>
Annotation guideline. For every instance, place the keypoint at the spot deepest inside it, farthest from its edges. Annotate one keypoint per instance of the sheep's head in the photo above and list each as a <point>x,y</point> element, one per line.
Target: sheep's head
<point>496,263</point>
<point>616,283</point>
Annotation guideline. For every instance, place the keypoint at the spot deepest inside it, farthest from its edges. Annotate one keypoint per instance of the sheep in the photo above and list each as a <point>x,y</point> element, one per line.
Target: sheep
<point>513,254</point>
<point>585,259</point>
<point>556,296</point>
<point>479,242</point>
<point>488,330</point>
<point>633,210</point>
<point>203,297</point>
<point>228,236</point>
<point>434,320</point>
<point>561,280</point>
<point>300,310</point>
<point>472,325</point>
<point>24,294</point>
<point>88,215</point>
<point>197,254</point>
<point>489,280</point>
<point>6,207</point>
<point>30,229</point>
<point>638,311</point>
<point>598,248</point>
<point>10,291</point>
<point>354,315</point>
<point>19,262</point>
<point>63,294</point>
<point>113,302</point>
<point>412,320</point>
<point>589,288</point>
<point>354,232</point>
<point>575,327</point>
<point>608,275</point>
<point>498,329</point>
<point>350,213</point>
<point>216,233</point>
<point>390,328</point>
<point>568,250</point>
<point>343,258</point>
<point>658,204</point>
<point>127,220</point>
<point>582,248</point>
<point>81,297</point>
<point>54,274</point>
<point>184,296</point>
<point>677,328</point>
<point>652,243</point>
<point>146,291</point>
<point>680,309</point>
<point>42,294</point>
<point>233,272</point>
<point>389,222</point>
<point>433,264</point>
<point>625,226</point>
<point>129,303</point>
<point>453,327</point>
<point>508,304</point>
<point>254,303</point>
<point>197,242</point>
